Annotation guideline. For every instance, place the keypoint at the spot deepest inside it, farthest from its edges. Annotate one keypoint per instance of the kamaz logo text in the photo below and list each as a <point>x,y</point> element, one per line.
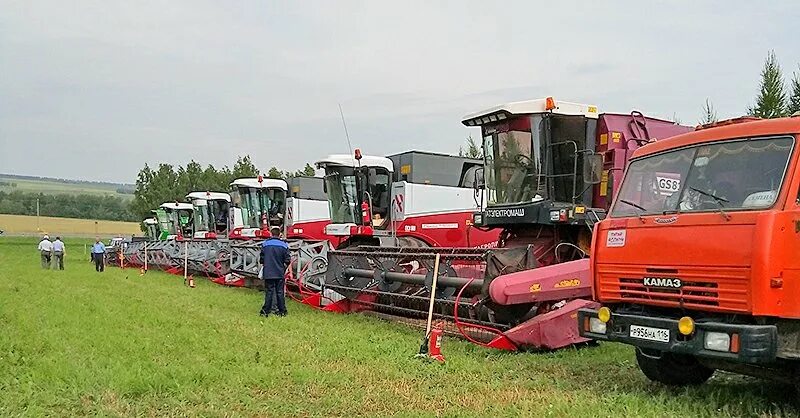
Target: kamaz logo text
<point>505,213</point>
<point>662,282</point>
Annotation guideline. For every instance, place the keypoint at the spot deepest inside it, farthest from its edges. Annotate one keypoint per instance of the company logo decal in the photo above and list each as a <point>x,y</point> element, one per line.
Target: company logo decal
<point>505,213</point>
<point>668,282</point>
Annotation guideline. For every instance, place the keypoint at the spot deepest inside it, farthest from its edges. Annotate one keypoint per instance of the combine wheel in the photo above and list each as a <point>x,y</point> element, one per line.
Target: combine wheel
<point>672,369</point>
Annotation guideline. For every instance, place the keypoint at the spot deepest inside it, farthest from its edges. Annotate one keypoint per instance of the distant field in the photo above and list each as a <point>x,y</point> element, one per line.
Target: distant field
<point>47,186</point>
<point>27,225</point>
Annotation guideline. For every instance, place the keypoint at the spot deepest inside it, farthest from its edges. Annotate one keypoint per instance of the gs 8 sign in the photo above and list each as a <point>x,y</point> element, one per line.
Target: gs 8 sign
<point>667,185</point>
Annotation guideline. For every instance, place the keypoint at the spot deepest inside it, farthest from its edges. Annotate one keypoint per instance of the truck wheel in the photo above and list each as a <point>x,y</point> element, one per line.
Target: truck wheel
<point>672,369</point>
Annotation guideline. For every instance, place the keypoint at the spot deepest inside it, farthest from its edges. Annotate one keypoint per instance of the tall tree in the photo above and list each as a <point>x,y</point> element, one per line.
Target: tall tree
<point>709,114</point>
<point>244,167</point>
<point>771,99</point>
<point>473,150</point>
<point>794,99</point>
<point>274,173</point>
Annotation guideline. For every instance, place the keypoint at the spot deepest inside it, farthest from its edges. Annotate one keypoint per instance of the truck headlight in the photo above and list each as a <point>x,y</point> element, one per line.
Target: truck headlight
<point>597,326</point>
<point>717,341</point>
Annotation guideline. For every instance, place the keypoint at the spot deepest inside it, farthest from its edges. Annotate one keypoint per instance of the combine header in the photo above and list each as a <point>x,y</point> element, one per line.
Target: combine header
<point>547,179</point>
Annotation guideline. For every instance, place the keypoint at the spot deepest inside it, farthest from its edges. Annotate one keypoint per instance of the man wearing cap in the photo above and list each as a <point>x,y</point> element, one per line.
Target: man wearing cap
<point>46,251</point>
<point>274,258</point>
<point>59,251</point>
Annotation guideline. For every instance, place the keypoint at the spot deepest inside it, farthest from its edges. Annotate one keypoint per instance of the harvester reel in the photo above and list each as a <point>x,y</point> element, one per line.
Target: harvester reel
<point>353,285</point>
<point>384,284</point>
<point>445,270</point>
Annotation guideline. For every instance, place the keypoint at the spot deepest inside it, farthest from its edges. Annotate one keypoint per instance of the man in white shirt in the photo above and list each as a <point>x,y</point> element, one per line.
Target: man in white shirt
<point>46,250</point>
<point>59,251</point>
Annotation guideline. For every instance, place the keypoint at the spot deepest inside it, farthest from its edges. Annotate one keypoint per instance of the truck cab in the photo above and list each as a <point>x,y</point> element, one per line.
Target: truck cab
<point>211,214</point>
<point>257,205</point>
<point>696,265</point>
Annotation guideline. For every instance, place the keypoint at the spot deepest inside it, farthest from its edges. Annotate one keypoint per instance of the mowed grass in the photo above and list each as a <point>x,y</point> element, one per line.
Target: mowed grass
<point>27,225</point>
<point>81,343</point>
<point>56,187</point>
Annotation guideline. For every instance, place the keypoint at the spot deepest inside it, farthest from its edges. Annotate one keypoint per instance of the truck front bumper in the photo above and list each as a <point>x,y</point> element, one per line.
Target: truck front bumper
<point>751,344</point>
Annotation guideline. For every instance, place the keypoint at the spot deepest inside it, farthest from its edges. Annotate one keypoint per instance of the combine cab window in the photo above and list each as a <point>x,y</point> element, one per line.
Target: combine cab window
<point>342,194</point>
<point>201,215</point>
<point>737,175</point>
<point>510,170</point>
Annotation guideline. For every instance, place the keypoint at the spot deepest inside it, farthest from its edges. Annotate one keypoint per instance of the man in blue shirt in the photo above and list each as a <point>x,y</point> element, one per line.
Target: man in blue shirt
<point>99,255</point>
<point>274,260</point>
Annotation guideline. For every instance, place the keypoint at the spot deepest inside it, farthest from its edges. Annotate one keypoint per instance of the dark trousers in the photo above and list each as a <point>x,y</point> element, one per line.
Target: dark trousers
<point>99,262</point>
<point>274,288</point>
<point>58,260</point>
<point>46,259</point>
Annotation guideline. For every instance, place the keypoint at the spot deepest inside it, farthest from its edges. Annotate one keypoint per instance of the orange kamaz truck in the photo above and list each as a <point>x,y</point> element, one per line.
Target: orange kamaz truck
<point>698,263</point>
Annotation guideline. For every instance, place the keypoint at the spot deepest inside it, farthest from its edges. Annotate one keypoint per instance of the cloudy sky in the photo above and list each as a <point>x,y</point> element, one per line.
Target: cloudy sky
<point>93,90</point>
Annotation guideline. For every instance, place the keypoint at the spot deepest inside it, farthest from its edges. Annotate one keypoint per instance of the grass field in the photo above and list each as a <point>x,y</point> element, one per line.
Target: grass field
<point>27,225</point>
<point>56,187</point>
<point>81,343</point>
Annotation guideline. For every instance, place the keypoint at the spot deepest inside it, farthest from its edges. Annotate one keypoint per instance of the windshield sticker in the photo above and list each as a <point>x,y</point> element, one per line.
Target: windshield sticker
<point>668,183</point>
<point>616,238</point>
<point>760,199</point>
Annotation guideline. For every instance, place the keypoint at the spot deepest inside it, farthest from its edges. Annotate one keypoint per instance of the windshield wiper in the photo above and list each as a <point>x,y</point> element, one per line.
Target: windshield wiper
<point>637,206</point>
<point>641,208</point>
<point>718,200</point>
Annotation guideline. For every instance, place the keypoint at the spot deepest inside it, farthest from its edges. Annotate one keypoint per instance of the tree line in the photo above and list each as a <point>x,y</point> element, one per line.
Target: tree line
<point>168,183</point>
<point>82,206</point>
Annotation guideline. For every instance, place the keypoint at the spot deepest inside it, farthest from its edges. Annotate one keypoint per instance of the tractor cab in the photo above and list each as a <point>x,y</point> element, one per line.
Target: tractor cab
<point>151,229</point>
<point>358,189</point>
<point>539,157</point>
<point>176,220</point>
<point>211,213</point>
<point>258,204</point>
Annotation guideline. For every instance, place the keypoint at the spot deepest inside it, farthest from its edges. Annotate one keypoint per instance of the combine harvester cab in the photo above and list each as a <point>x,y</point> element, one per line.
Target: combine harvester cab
<point>428,202</point>
<point>174,220</point>
<point>547,178</point>
<point>208,249</point>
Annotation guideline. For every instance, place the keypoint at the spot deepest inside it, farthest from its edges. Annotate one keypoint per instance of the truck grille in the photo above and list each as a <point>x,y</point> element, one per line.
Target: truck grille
<point>720,289</point>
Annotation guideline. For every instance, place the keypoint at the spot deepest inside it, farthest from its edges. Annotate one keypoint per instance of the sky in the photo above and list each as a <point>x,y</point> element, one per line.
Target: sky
<point>93,90</point>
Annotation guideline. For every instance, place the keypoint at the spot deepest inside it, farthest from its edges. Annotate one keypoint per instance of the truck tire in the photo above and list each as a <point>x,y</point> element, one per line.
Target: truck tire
<point>672,369</point>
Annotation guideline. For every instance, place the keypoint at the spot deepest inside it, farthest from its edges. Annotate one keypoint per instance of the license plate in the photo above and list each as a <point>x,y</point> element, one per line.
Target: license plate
<point>650,334</point>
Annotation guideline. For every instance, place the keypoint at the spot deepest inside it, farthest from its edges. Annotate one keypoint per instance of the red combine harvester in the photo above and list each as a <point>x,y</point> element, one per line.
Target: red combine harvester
<point>548,174</point>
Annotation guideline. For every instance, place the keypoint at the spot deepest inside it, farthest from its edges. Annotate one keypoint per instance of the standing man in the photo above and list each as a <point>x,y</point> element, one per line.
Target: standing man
<point>99,255</point>
<point>274,258</point>
<point>59,251</point>
<point>46,250</point>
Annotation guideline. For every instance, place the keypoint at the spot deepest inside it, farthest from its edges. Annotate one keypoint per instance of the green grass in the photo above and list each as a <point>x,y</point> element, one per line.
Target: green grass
<point>54,187</point>
<point>117,344</point>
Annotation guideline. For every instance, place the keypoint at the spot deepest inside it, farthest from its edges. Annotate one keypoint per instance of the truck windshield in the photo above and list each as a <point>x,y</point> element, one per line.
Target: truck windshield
<point>730,176</point>
<point>342,193</point>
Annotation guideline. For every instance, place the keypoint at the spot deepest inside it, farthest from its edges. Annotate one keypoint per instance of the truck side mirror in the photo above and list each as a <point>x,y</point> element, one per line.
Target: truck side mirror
<point>592,168</point>
<point>480,182</point>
